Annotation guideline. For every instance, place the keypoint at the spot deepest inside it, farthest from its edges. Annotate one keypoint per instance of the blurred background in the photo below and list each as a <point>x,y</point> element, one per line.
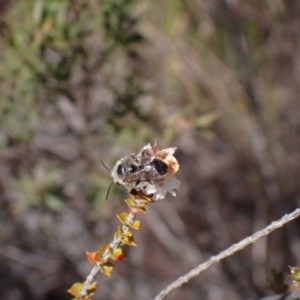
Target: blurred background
<point>87,80</point>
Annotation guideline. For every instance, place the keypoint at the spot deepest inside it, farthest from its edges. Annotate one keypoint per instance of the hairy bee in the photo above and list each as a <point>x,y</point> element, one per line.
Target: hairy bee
<point>139,170</point>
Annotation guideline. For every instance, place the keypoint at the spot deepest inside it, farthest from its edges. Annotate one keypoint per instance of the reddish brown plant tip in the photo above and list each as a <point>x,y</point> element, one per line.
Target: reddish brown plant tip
<point>90,256</point>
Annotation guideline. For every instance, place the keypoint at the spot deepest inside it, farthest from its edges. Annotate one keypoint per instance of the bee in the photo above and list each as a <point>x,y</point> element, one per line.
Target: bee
<point>139,170</point>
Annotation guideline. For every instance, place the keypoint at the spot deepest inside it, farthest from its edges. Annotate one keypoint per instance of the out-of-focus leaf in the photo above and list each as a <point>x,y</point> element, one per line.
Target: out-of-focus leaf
<point>117,254</point>
<point>123,218</point>
<point>106,268</point>
<point>207,120</point>
<point>277,284</point>
<point>75,289</point>
<point>295,275</point>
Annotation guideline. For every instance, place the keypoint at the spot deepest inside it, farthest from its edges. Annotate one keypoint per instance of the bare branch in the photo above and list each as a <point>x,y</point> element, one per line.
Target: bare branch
<point>228,252</point>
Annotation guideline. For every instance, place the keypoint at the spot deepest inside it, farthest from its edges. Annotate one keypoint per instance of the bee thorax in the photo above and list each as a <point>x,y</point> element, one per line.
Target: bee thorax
<point>124,169</point>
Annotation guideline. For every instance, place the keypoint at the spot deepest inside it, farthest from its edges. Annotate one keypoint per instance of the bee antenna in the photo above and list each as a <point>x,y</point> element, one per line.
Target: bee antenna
<point>105,166</point>
<point>108,190</point>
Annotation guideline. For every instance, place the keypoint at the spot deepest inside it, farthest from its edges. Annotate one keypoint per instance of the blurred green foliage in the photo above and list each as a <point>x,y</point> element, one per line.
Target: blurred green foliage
<point>119,23</point>
<point>277,283</point>
<point>50,49</point>
<point>41,189</point>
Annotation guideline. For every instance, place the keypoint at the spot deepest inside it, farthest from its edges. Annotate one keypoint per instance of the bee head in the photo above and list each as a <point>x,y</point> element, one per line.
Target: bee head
<point>121,170</point>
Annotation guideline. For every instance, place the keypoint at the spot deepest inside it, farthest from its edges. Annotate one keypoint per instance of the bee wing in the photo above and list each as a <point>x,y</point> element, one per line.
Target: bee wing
<point>141,176</point>
<point>135,177</point>
<point>129,159</point>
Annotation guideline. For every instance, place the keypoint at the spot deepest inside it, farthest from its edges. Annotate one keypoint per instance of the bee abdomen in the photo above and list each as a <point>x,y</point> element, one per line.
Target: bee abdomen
<point>160,166</point>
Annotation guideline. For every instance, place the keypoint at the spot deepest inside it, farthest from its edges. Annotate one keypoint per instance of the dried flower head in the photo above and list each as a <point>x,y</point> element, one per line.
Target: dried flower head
<point>170,182</point>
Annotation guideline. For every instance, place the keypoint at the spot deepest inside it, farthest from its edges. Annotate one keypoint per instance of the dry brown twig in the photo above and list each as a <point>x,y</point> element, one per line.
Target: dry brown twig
<point>228,252</point>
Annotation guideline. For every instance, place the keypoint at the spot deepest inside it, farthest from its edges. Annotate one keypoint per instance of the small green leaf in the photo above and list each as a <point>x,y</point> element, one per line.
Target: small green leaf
<point>106,268</point>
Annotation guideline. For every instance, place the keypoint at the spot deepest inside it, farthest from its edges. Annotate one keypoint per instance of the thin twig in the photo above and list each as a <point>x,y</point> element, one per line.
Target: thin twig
<point>113,245</point>
<point>228,252</point>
